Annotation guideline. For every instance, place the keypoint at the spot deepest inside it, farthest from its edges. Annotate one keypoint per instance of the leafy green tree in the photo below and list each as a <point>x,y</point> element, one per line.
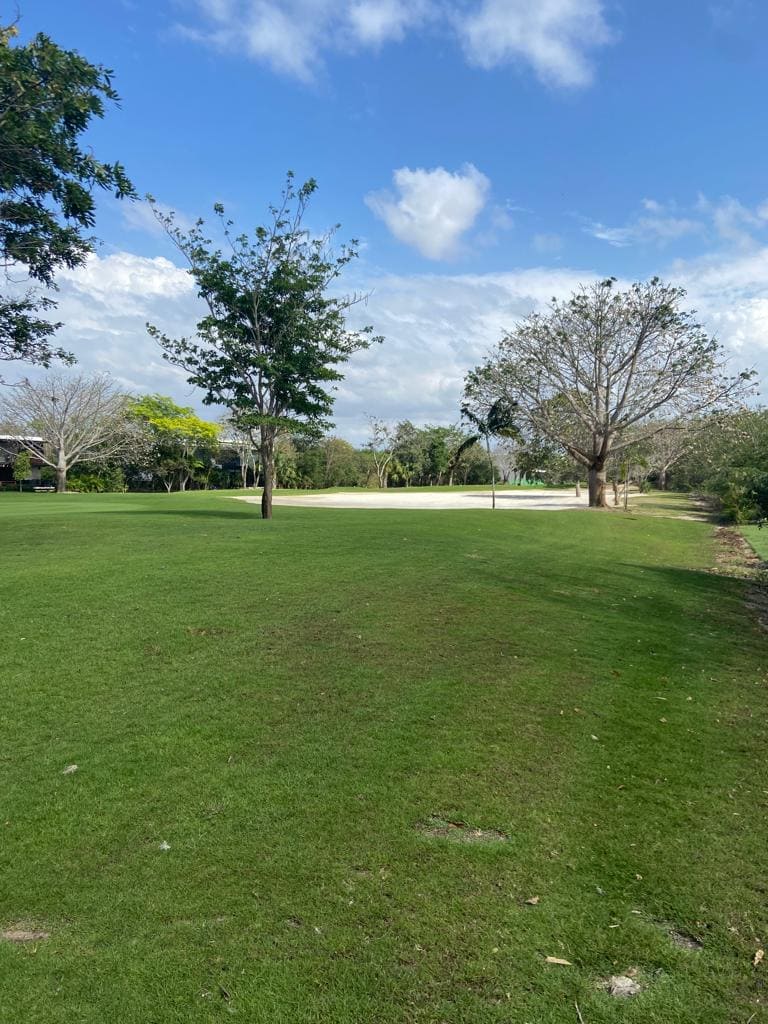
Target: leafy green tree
<point>271,344</point>
<point>48,97</point>
<point>183,442</point>
<point>22,467</point>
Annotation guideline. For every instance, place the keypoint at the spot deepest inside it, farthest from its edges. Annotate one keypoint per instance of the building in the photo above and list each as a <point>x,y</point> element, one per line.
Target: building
<point>10,446</point>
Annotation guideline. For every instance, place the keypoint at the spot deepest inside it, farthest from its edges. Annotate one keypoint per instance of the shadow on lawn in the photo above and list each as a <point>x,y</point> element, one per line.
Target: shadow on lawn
<point>196,513</point>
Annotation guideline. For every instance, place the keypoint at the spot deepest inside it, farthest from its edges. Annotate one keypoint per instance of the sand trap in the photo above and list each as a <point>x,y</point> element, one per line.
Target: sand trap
<point>538,500</point>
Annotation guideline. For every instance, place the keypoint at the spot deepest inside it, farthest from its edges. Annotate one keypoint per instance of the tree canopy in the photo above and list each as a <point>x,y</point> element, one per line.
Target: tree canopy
<point>603,369</point>
<point>274,336</point>
<point>182,442</point>
<point>48,98</point>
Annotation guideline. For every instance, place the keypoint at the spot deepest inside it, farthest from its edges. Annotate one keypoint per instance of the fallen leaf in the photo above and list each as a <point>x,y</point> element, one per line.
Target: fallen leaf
<point>533,901</point>
<point>165,846</point>
<point>69,769</point>
<point>558,960</point>
<point>758,957</point>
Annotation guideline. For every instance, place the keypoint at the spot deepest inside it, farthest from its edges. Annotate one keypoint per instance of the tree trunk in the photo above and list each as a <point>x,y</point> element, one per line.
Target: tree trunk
<point>61,473</point>
<point>663,478</point>
<point>268,469</point>
<point>493,471</point>
<point>615,492</point>
<point>578,488</point>
<point>596,481</point>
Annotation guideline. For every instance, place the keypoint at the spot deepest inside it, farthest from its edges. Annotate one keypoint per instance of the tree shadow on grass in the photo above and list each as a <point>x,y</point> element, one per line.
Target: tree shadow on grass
<point>196,513</point>
<point>655,604</point>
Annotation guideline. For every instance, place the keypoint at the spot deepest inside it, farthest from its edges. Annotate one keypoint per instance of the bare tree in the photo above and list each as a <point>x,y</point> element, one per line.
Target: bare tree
<point>81,419</point>
<point>598,372</point>
<point>669,446</point>
<point>382,447</point>
<point>241,441</point>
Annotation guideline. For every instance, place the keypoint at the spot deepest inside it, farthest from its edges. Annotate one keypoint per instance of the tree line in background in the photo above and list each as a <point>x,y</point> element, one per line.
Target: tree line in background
<point>97,438</point>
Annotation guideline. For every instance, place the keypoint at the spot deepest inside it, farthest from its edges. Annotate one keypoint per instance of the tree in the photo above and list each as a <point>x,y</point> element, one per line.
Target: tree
<point>728,458</point>
<point>669,446</point>
<point>48,97</point>
<point>497,420</point>
<point>22,467</point>
<point>594,373</point>
<point>270,346</point>
<point>81,419</point>
<point>241,442</point>
<point>382,445</point>
<point>183,442</point>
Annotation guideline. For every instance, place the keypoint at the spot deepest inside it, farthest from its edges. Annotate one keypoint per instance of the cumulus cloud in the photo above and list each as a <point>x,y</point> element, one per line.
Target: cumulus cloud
<point>554,37</point>
<point>105,305</point>
<point>433,208</point>
<point>436,326</point>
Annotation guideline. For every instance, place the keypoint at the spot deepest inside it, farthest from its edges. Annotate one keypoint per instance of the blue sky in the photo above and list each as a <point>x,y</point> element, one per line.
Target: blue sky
<point>488,154</point>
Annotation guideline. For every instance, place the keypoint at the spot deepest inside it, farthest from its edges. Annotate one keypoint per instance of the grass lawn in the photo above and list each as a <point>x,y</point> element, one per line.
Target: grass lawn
<point>758,538</point>
<point>291,706</point>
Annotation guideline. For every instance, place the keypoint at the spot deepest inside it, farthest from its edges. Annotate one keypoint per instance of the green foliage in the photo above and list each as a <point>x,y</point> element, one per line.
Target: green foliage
<point>22,467</point>
<point>274,336</point>
<point>729,458</point>
<point>183,443</point>
<point>95,478</point>
<point>48,98</point>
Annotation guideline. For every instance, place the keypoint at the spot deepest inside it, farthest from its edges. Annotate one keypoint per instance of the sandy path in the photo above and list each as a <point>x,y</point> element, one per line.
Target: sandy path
<point>538,499</point>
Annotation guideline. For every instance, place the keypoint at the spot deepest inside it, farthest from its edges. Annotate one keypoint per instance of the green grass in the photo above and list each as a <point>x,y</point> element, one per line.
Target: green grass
<point>283,703</point>
<point>758,538</point>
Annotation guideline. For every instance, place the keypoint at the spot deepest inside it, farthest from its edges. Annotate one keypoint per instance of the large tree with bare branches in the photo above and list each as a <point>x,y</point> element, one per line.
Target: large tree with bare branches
<point>605,369</point>
<point>81,419</point>
<point>274,336</point>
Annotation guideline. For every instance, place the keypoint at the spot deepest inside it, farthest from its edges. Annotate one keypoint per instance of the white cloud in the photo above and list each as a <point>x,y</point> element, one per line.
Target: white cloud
<point>725,220</point>
<point>105,305</point>
<point>434,208</point>
<point>730,293</point>
<point>734,222</point>
<point>374,22</point>
<point>290,36</point>
<point>553,36</point>
<point>436,326</point>
<point>661,223</point>
<point>138,216</point>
